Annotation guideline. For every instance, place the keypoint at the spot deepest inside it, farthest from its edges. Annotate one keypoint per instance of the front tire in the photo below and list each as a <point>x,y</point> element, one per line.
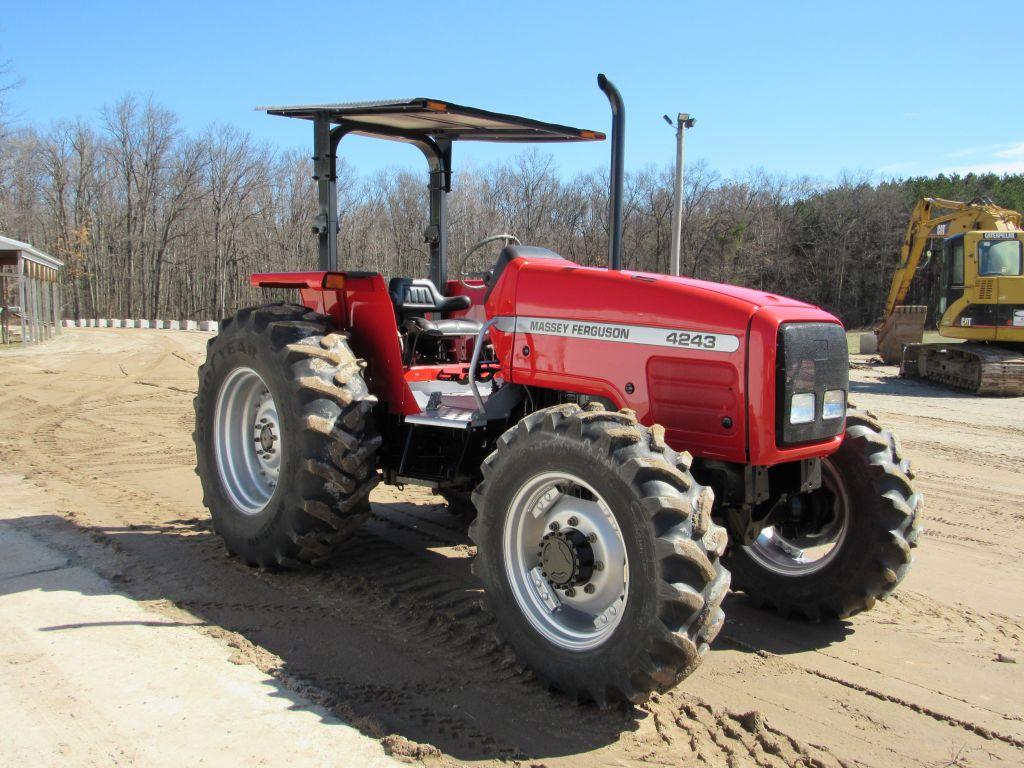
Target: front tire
<point>459,503</point>
<point>868,483</point>
<point>597,553</point>
<point>285,441</point>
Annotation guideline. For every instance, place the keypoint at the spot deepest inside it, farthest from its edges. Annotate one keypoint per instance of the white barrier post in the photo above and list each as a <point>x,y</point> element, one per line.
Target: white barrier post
<point>868,344</point>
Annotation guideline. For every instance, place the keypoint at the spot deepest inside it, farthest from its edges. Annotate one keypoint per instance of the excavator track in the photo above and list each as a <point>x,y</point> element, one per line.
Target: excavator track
<point>978,368</point>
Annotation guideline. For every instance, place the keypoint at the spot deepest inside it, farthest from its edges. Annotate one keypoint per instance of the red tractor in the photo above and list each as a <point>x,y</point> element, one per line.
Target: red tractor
<point>618,438</point>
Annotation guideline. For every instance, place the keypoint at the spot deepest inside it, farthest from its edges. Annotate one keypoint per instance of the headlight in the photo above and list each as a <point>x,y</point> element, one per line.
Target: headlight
<point>801,409</point>
<point>834,404</point>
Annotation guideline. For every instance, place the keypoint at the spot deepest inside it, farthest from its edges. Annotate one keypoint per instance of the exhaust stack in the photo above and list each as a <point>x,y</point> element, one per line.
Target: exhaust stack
<point>615,191</point>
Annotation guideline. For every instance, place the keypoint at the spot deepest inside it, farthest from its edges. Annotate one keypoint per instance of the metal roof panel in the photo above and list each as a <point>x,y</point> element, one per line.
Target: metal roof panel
<point>435,118</point>
<point>32,253</point>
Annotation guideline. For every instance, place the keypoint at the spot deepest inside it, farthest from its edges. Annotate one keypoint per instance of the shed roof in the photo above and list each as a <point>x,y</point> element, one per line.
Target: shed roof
<point>29,252</point>
<point>436,118</point>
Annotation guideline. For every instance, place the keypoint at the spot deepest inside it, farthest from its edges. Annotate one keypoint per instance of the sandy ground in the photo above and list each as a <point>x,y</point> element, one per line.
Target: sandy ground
<point>96,459</point>
<point>91,677</point>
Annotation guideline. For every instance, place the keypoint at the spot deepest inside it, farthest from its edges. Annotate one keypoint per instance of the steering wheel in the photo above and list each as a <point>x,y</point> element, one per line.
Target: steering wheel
<point>463,276</point>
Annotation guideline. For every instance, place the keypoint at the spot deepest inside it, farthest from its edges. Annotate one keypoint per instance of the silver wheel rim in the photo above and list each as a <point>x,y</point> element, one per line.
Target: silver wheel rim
<point>789,558</point>
<point>586,618</point>
<point>247,440</point>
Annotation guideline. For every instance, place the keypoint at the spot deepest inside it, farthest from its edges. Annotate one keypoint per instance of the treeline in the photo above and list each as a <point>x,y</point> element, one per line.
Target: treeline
<point>153,222</point>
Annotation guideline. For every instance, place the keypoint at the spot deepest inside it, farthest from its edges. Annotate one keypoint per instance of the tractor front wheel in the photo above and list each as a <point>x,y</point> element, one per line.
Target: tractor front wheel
<point>285,441</point>
<point>863,550</point>
<point>597,553</point>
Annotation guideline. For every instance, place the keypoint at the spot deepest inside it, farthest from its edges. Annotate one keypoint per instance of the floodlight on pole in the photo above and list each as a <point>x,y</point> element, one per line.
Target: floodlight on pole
<point>683,121</point>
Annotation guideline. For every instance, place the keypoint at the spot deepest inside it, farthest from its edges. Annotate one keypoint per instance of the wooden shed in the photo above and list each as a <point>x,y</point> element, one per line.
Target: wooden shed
<point>30,299</point>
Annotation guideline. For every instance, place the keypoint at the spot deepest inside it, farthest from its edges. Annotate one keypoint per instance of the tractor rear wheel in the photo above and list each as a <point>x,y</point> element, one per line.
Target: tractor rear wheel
<point>864,550</point>
<point>597,553</point>
<point>286,445</point>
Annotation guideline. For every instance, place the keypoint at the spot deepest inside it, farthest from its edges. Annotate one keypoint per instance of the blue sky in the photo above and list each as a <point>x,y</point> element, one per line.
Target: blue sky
<point>801,88</point>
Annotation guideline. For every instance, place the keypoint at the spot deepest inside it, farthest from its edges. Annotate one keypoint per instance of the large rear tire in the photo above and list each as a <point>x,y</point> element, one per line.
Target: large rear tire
<point>598,555</point>
<point>286,445</point>
<point>867,550</point>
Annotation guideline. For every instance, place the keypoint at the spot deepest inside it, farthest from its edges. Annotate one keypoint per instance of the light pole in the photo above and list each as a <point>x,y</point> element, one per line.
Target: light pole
<point>683,121</point>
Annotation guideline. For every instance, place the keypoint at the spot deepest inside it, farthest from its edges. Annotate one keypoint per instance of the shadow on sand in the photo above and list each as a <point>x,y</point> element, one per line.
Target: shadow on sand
<point>390,636</point>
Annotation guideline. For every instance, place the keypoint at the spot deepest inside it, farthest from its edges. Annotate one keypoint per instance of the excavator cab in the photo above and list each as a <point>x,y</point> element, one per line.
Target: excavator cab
<point>982,286</point>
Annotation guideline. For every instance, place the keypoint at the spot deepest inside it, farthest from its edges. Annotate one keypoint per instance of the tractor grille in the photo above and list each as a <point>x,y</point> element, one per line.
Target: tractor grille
<point>812,359</point>
<point>986,289</point>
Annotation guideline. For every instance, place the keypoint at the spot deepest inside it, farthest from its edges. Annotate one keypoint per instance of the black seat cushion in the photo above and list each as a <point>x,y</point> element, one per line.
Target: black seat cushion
<point>413,296</point>
<point>453,326</point>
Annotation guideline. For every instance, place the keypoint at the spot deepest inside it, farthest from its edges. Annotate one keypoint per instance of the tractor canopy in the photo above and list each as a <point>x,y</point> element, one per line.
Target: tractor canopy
<point>429,124</point>
<point>405,119</point>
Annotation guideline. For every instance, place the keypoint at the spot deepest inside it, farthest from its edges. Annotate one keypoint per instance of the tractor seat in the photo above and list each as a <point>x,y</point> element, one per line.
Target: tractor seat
<point>415,298</point>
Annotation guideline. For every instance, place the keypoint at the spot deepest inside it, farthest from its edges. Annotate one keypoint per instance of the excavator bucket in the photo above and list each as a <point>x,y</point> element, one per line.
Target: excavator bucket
<point>904,326</point>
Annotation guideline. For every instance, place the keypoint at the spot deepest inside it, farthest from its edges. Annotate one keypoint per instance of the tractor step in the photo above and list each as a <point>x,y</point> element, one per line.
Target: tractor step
<point>445,404</point>
<point>450,418</point>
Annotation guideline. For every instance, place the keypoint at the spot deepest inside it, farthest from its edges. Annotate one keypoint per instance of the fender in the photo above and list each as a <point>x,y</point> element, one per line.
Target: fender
<point>358,303</point>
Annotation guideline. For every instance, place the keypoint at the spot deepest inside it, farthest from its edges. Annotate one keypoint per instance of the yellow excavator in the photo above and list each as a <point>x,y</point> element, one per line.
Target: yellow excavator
<point>980,264</point>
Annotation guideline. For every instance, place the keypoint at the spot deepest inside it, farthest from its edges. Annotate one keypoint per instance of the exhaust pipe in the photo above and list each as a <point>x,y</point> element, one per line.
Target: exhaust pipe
<point>615,191</point>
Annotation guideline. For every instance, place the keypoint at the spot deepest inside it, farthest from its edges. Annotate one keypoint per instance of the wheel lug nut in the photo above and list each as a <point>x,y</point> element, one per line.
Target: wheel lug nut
<point>573,521</point>
<point>570,592</point>
<point>554,526</point>
<point>598,565</point>
<point>589,589</point>
<point>592,538</point>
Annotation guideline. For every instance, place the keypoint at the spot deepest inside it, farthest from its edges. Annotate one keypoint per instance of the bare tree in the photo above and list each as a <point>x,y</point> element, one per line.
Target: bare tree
<point>152,222</point>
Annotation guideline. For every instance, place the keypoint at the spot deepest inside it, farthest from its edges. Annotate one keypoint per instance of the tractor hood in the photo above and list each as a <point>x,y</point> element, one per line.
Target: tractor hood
<point>542,284</point>
<point>697,357</point>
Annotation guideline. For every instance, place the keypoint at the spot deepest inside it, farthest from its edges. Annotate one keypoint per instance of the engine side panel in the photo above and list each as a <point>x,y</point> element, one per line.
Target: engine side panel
<point>697,358</point>
<point>620,335</point>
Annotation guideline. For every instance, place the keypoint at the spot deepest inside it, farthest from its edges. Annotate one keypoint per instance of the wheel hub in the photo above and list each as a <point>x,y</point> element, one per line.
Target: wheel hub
<point>247,440</point>
<point>566,558</point>
<point>267,438</point>
<point>807,544</point>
